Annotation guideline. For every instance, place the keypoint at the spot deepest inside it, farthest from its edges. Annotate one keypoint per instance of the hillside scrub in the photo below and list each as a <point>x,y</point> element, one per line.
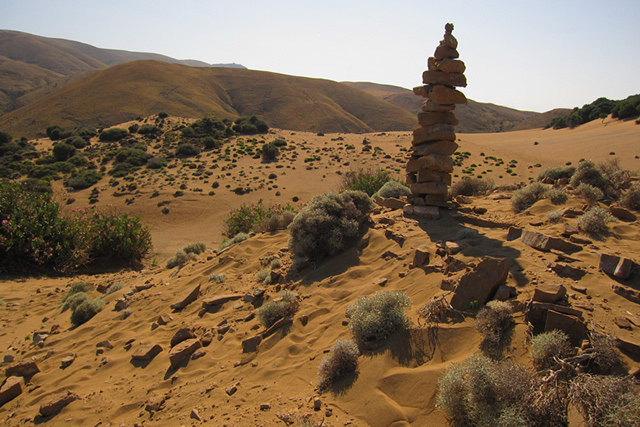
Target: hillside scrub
<point>287,305</point>
<point>598,109</point>
<point>328,224</point>
<point>113,134</point>
<point>557,172</point>
<point>342,361</point>
<point>471,187</point>
<point>34,234</point>
<point>368,181</point>
<point>375,318</point>
<point>258,217</point>
<point>524,198</point>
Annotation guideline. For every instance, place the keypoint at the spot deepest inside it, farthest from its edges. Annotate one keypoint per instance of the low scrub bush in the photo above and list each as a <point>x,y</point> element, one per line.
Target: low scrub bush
<point>472,187</point>
<point>287,305</point>
<point>148,129</point>
<point>240,237</point>
<point>547,345</point>
<point>328,224</point>
<point>588,172</point>
<point>368,181</point>
<point>86,310</point>
<point>264,276</point>
<point>114,288</point>
<point>524,198</point>
<point>617,178</point>
<point>63,151</point>
<point>494,322</point>
<point>393,189</point>
<point>606,400</point>
<point>375,318</point>
<point>270,152</point>
<point>342,361</point>
<point>595,221</point>
<point>195,248</point>
<point>250,125</point>
<point>187,150</point>
<point>557,196</point>
<point>589,193</point>
<point>186,254</point>
<point>557,172</point>
<point>83,178</point>
<point>218,277</point>
<point>113,134</point>
<point>631,198</point>
<point>554,216</point>
<point>258,217</point>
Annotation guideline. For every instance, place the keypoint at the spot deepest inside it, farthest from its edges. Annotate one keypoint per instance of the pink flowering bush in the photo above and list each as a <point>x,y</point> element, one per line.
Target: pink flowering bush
<point>258,217</point>
<point>33,233</point>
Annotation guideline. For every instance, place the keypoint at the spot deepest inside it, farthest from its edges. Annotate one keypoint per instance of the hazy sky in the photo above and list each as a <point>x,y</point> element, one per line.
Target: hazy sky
<point>530,55</point>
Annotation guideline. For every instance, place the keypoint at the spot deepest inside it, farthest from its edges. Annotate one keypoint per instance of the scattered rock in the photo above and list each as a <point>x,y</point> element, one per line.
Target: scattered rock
<point>147,352</point>
<point>514,233</point>
<point>54,405</point>
<point>549,293</point>
<point>546,243</point>
<point>182,335</point>
<point>570,325</point>
<point>537,222</point>
<point>221,299</point>
<point>391,202</point>
<point>579,240</point>
<point>381,281</point>
<point>164,319</point>
<point>395,236</point>
<point>628,346</point>
<point>198,354</point>
<point>615,265</point>
<point>105,344</point>
<point>231,390</point>
<point>191,297</point>
<point>317,404</point>
<point>121,304</point>
<point>426,212</point>
<point>304,319</point>
<point>621,322</point>
<point>67,361</point>
<point>579,288</point>
<point>503,293</point>
<point>22,369</point>
<point>480,283</point>
<point>452,248</point>
<point>275,276</point>
<point>12,388</point>
<point>154,403</point>
<point>265,407</point>
<point>420,258</point>
<point>182,351</point>
<point>572,213</point>
<point>250,345</point>
<point>622,214</point>
<point>569,230</point>
<point>479,210</point>
<point>8,358</point>
<point>195,415</point>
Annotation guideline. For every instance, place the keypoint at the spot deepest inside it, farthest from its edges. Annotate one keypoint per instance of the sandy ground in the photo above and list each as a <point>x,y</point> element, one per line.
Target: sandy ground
<point>395,384</point>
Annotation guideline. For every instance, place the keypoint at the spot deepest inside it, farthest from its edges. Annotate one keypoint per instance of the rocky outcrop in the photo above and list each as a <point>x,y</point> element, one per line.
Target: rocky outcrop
<point>430,166</point>
<point>480,283</point>
<point>12,388</point>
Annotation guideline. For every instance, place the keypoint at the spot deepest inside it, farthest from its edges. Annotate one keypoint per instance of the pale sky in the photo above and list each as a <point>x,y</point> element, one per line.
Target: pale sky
<point>530,55</point>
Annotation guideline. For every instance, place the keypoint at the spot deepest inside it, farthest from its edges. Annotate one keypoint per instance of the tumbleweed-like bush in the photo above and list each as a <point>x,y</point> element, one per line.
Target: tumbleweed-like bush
<point>376,318</point>
<point>342,361</point>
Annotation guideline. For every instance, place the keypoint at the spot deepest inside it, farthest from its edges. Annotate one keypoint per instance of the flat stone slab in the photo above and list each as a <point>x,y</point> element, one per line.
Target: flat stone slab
<point>54,405</point>
<point>147,352</point>
<point>545,243</point>
<point>220,299</point>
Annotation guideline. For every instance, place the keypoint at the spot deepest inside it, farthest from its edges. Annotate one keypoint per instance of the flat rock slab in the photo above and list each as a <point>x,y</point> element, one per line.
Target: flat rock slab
<point>22,369</point>
<point>545,243</point>
<point>570,325</point>
<point>616,266</point>
<point>221,299</point>
<point>191,297</point>
<point>182,334</point>
<point>630,294</point>
<point>147,352</point>
<point>182,351</point>
<point>390,202</point>
<point>480,283</point>
<point>11,389</point>
<point>426,212</point>
<point>250,345</point>
<point>54,405</point>
<point>549,293</point>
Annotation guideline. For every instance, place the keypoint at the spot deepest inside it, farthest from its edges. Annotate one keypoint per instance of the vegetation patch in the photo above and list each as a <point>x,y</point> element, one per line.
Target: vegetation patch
<point>373,319</point>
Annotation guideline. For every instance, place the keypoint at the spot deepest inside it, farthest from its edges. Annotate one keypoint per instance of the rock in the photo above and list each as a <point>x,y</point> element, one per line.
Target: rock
<point>420,257</point>
<point>452,248</point>
<point>164,319</point>
<point>615,265</point>
<point>8,358</point>
<point>537,222</point>
<point>182,351</point>
<point>147,352</point>
<point>317,404</point>
<point>195,415</point>
<point>105,344</point>
<point>439,78</point>
<point>198,354</point>
<point>546,243</point>
<point>445,95</point>
<point>381,281</point>
<point>578,288</point>
<point>429,188</point>
<point>432,133</point>
<point>447,284</point>
<point>622,322</point>
<point>395,236</point>
<point>67,361</point>
<point>390,202</point>
<point>304,319</point>
<point>572,213</point>
<point>480,283</point>
<point>265,407</point>
<point>154,403</point>
<point>231,390</point>
<point>579,240</point>
<point>12,388</point>
<point>275,276</point>
<point>221,299</point>
<point>183,334</point>
<point>447,65</point>
<point>503,293</point>
<point>622,214</point>
<point>443,51</point>
<point>450,41</point>
<point>435,162</point>
<point>430,118</point>
<point>514,233</point>
<point>538,311</point>
<point>429,105</point>
<point>570,325</point>
<point>206,338</point>
<point>628,346</point>
<point>569,230</point>
<point>426,212</point>
<point>479,210</point>
<point>191,297</point>
<point>549,293</point>
<point>22,369</point>
<point>121,304</point>
<point>630,294</point>
<point>453,265</point>
<point>54,405</point>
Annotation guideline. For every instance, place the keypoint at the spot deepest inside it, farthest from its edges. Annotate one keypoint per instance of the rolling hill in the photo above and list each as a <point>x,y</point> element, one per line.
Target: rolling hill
<point>474,117</point>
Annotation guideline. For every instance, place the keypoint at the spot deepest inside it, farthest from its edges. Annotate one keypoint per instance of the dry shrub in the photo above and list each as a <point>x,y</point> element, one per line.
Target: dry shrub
<point>393,189</point>
<point>617,178</point>
<point>525,197</point>
<point>589,193</point>
<point>557,196</point>
<point>195,248</point>
<point>493,322</point>
<point>472,187</point>
<point>240,237</point>
<point>606,400</point>
<point>328,224</point>
<point>376,318</point>
<point>631,198</point>
<point>557,172</point>
<point>554,216</point>
<point>607,359</point>
<point>342,361</point>
<point>85,311</point>
<point>595,221</point>
<point>547,345</point>
<point>588,172</point>
<point>287,305</point>
<point>180,259</point>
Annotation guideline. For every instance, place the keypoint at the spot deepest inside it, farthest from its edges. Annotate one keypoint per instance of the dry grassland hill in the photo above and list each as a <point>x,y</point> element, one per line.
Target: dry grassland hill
<point>33,66</point>
<point>142,88</point>
<point>474,117</point>
<point>234,371</point>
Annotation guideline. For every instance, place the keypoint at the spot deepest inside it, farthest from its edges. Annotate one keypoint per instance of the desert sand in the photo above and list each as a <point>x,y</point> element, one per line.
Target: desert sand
<point>395,385</point>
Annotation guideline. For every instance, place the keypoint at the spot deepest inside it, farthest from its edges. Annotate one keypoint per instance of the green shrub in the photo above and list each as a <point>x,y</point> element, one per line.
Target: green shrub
<point>264,276</point>
<point>113,134</point>
<point>287,305</point>
<point>606,400</point>
<point>148,129</point>
<point>393,189</point>
<point>54,132</point>
<point>240,237</point>
<point>74,301</point>
<point>547,345</point>
<point>328,224</point>
<point>554,216</point>
<point>631,198</point>
<point>279,143</point>
<point>156,163</point>
<point>187,150</point>
<point>195,248</point>
<point>250,125</point>
<point>616,178</point>
<point>86,311</point>
<point>76,288</point>
<point>114,288</point>
<point>557,196</point>
<point>589,193</point>
<point>493,322</point>
<point>375,318</point>
<point>588,172</point>
<point>210,142</point>
<point>162,115</point>
<point>180,259</point>
<point>524,198</point>
<point>76,141</point>
<point>557,172</point>
<point>270,152</point>
<point>595,221</point>
<point>258,217</point>
<point>472,187</point>
<point>5,138</point>
<point>368,181</point>
<point>218,277</point>
<point>342,361</point>
<point>84,178</point>
<point>134,128</point>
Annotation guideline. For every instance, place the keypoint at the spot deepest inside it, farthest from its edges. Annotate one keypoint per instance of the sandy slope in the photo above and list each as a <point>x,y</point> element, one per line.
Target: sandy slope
<point>396,384</point>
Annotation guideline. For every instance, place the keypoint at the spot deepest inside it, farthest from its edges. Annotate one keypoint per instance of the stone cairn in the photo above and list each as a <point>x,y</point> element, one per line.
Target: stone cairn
<point>434,141</point>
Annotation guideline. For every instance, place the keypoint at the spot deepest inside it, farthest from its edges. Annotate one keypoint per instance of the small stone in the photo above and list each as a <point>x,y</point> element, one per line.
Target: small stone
<point>195,415</point>
<point>105,344</point>
<point>549,293</point>
<point>57,403</point>
<point>121,304</point>
<point>11,389</point>
<point>8,358</point>
<point>304,319</point>
<point>231,390</point>
<point>198,354</point>
<point>67,361</point>
<point>382,281</point>
<point>183,334</point>
<point>578,288</point>
<point>265,407</point>
<point>147,352</point>
<point>164,319</point>
<point>317,404</point>
<point>503,293</point>
<point>183,350</point>
<point>22,369</point>
<point>452,248</point>
<point>188,299</point>
<point>622,322</point>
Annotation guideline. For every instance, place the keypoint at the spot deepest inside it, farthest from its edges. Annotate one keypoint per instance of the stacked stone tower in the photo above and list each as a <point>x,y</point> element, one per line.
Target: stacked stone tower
<point>434,141</point>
